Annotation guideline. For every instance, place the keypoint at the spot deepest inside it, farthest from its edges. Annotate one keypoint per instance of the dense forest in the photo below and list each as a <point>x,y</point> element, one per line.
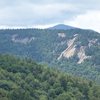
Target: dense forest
<point>24,79</point>
<point>45,46</point>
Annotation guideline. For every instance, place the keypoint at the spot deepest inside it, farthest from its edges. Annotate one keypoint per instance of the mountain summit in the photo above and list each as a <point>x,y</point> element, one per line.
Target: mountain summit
<point>62,26</point>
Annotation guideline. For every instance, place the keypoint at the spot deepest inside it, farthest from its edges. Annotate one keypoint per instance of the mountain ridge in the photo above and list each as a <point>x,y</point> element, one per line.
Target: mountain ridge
<point>45,46</point>
<point>61,27</point>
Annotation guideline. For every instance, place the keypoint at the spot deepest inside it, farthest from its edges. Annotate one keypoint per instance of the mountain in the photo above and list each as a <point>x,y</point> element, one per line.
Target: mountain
<point>75,51</point>
<point>61,27</point>
<point>24,79</point>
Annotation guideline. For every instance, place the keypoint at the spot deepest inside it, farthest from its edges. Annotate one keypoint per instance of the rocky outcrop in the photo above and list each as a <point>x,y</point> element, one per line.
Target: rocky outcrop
<point>70,50</point>
<point>81,55</point>
<point>25,40</point>
<point>62,35</point>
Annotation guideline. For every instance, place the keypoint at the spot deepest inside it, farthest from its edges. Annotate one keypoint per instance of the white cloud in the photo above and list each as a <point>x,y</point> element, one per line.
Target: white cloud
<point>89,20</point>
<point>28,13</point>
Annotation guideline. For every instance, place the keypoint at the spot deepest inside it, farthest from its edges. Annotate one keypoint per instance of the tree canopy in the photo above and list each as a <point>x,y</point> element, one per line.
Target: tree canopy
<point>24,79</point>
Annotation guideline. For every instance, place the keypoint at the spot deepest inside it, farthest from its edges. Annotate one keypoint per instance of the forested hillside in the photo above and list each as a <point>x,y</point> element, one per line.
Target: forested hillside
<point>23,79</point>
<point>75,51</point>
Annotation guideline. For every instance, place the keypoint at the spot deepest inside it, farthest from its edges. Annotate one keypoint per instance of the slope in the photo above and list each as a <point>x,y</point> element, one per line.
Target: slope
<point>61,27</point>
<point>22,79</point>
<point>78,49</point>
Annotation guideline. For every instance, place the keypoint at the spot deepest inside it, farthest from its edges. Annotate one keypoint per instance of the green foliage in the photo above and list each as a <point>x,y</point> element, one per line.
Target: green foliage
<point>23,79</point>
<point>47,46</point>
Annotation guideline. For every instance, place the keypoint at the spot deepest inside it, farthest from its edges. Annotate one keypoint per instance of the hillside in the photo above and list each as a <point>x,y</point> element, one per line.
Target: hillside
<point>23,79</point>
<point>75,51</point>
<point>61,27</point>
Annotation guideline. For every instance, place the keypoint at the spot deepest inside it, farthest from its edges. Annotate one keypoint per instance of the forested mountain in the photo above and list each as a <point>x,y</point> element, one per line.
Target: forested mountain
<point>75,51</point>
<point>61,26</point>
<point>23,79</point>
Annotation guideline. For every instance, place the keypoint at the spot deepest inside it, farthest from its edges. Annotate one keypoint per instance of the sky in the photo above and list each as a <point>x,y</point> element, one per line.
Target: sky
<point>44,13</point>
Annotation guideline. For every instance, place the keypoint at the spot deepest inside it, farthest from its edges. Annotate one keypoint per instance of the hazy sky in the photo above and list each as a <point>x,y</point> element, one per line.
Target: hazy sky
<point>43,13</point>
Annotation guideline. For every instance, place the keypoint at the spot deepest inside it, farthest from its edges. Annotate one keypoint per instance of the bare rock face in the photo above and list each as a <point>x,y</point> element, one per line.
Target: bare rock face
<point>25,40</point>
<point>62,35</point>
<point>70,51</point>
<point>81,55</point>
